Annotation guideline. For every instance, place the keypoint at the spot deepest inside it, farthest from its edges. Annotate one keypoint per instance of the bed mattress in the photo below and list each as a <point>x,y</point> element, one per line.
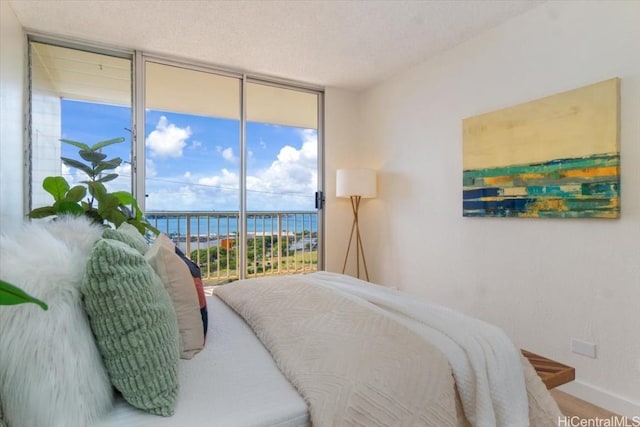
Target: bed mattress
<point>233,372</point>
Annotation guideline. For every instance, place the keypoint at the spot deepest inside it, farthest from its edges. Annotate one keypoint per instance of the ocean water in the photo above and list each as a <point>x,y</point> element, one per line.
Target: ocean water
<point>223,225</point>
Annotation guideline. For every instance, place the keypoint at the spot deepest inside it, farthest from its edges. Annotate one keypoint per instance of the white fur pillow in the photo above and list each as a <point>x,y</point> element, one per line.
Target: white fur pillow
<point>51,372</point>
<point>79,233</point>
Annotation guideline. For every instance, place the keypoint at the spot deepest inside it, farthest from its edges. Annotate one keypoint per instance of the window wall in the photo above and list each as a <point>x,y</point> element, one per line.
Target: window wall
<point>225,163</point>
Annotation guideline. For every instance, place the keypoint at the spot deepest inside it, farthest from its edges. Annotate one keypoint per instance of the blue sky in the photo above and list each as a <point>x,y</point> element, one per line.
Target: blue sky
<point>192,162</point>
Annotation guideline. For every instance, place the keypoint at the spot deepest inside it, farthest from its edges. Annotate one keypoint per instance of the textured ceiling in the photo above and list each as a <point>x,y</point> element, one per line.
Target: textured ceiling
<point>347,44</point>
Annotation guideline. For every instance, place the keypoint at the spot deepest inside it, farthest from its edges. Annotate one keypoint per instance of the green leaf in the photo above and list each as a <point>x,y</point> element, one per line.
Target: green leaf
<point>80,145</point>
<point>107,178</point>
<point>143,226</point>
<point>73,163</point>
<point>151,228</point>
<point>57,186</point>
<point>92,156</point>
<point>97,189</point>
<point>139,213</point>
<point>137,224</point>
<point>76,194</point>
<point>110,211</point>
<point>11,295</point>
<point>42,212</point>
<point>95,216</point>
<point>102,144</point>
<point>124,197</point>
<point>108,164</point>
<point>116,217</point>
<point>108,204</point>
<point>66,207</point>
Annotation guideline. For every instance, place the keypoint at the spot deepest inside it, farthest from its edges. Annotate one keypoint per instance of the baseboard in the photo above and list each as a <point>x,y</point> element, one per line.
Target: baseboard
<point>602,398</point>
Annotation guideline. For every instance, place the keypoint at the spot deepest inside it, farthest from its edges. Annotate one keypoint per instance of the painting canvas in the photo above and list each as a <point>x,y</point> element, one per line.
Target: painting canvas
<point>555,157</point>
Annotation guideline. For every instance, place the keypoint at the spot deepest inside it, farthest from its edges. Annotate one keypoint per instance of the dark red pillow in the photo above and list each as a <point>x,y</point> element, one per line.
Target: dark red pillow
<point>197,281</point>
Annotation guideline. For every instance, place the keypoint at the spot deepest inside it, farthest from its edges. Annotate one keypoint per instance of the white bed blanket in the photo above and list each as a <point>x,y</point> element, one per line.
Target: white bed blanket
<point>486,365</point>
<point>353,365</point>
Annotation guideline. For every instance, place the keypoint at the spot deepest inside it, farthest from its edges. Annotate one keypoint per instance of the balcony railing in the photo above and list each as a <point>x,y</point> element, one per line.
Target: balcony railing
<point>277,242</point>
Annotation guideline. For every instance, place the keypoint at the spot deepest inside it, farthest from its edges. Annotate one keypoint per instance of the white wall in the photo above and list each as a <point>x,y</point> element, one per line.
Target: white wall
<point>12,63</point>
<point>542,280</point>
<point>342,124</point>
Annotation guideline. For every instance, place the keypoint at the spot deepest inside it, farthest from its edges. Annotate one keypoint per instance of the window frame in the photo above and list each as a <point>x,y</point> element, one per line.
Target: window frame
<point>138,59</point>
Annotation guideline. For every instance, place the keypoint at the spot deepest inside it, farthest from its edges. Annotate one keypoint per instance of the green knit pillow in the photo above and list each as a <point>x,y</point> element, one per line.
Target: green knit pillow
<point>134,324</point>
<point>128,234</point>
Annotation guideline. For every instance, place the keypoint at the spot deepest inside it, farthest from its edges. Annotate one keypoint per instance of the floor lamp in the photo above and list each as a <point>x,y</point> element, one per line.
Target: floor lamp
<point>356,184</point>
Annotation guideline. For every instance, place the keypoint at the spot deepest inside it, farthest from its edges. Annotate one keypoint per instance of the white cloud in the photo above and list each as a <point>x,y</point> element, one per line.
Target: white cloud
<point>167,140</point>
<point>123,181</point>
<point>228,155</point>
<point>190,193</point>
<point>123,170</point>
<point>195,144</point>
<point>226,179</point>
<point>288,183</point>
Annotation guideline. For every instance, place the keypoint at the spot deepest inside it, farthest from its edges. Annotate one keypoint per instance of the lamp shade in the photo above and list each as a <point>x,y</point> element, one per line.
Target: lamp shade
<point>356,182</point>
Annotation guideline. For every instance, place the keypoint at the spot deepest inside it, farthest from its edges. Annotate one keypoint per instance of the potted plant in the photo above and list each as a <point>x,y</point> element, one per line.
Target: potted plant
<point>92,198</point>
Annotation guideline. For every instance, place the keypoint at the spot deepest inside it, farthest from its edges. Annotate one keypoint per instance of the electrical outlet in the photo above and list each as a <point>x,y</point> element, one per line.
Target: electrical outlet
<point>584,348</point>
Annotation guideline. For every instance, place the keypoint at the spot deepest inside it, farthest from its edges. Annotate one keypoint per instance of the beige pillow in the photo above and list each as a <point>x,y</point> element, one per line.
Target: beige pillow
<point>179,284</point>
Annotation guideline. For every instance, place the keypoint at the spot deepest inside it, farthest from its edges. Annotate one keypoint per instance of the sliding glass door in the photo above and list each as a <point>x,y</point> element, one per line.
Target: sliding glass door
<point>281,179</point>
<point>231,170</point>
<point>192,171</point>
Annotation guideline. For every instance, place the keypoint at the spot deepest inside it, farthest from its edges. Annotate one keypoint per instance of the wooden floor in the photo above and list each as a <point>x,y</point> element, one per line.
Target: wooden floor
<point>572,406</point>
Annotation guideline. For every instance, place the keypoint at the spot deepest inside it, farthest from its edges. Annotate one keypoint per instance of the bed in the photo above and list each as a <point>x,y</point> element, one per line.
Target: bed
<point>286,351</point>
<point>232,382</point>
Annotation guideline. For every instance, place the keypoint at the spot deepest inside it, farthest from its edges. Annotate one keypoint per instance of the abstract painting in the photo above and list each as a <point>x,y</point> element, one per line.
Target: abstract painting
<point>555,157</point>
